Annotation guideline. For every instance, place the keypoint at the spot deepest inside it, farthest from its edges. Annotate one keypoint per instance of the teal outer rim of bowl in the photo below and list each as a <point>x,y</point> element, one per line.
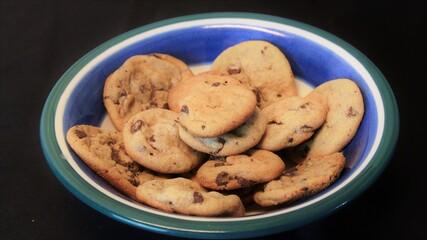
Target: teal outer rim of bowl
<point>203,229</point>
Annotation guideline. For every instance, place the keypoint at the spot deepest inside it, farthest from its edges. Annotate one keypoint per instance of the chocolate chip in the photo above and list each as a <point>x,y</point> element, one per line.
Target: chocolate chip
<point>153,104</point>
<point>184,109</point>
<point>134,182</point>
<point>221,140</point>
<point>216,84</point>
<point>152,138</point>
<point>133,167</point>
<point>166,106</point>
<point>123,93</point>
<point>233,70</point>
<point>304,106</point>
<point>306,129</point>
<point>222,179</point>
<point>219,164</point>
<point>203,127</point>
<point>243,182</point>
<point>290,140</point>
<point>80,134</point>
<point>136,126</point>
<point>351,112</point>
<point>111,141</point>
<point>197,197</point>
<point>115,155</point>
<point>274,122</point>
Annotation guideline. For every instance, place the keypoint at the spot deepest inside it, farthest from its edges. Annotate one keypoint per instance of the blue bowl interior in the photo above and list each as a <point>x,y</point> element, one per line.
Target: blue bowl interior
<point>310,61</point>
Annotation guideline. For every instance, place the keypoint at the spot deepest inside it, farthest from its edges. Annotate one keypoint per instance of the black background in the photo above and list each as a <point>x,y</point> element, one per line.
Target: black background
<point>40,40</point>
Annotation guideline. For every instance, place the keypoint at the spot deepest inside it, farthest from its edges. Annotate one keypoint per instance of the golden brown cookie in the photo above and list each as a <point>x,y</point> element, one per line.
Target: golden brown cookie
<point>240,171</point>
<point>290,122</point>
<point>141,83</point>
<point>345,113</point>
<point>304,180</point>
<point>181,195</point>
<point>262,66</point>
<point>151,138</point>
<point>210,105</point>
<point>103,152</point>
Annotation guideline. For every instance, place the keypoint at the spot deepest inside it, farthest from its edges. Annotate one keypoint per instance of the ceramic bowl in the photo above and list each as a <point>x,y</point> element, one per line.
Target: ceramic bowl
<point>315,57</point>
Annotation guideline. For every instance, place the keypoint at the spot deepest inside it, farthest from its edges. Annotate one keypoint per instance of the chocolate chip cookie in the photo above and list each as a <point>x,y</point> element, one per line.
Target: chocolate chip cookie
<point>263,66</point>
<point>181,195</point>
<point>141,83</point>
<point>210,105</point>
<point>104,153</point>
<point>240,171</point>
<point>345,113</point>
<point>291,121</point>
<point>311,176</point>
<point>151,138</point>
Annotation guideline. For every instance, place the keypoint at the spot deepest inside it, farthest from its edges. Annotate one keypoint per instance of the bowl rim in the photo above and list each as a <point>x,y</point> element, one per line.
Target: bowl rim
<point>239,229</point>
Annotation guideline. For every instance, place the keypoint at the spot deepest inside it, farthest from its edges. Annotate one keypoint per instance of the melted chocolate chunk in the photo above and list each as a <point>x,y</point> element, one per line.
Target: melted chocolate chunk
<point>134,181</point>
<point>134,167</point>
<point>222,179</point>
<point>197,197</point>
<point>304,106</point>
<point>115,155</point>
<point>216,84</point>
<point>243,182</point>
<point>80,134</point>
<point>136,126</point>
<point>221,140</point>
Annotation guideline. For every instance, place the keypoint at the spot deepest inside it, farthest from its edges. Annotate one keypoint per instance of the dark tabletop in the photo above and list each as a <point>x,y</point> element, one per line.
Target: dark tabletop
<point>39,41</point>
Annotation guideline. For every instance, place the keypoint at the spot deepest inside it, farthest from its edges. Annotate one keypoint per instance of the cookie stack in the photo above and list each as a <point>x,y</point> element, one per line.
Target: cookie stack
<point>204,144</point>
